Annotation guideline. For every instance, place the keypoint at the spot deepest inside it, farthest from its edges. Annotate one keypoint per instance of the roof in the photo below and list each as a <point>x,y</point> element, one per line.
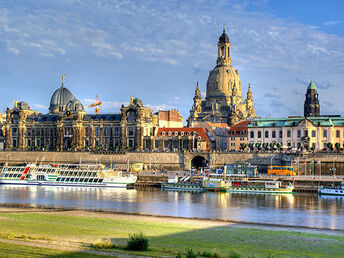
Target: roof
<point>239,128</point>
<point>199,131</point>
<point>311,86</point>
<point>295,121</point>
<point>104,117</point>
<point>220,125</point>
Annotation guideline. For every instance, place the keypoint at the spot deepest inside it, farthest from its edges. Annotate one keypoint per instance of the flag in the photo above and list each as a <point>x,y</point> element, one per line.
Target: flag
<point>297,162</point>
<point>318,162</point>
<point>310,163</point>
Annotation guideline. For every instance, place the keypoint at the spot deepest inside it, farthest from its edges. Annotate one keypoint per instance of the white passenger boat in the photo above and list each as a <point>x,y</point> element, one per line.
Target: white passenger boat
<point>84,175</point>
<point>334,190</point>
<point>242,184</point>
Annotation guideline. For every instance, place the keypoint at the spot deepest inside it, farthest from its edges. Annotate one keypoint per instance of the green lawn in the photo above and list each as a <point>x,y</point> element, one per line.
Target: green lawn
<point>14,250</point>
<point>167,238</point>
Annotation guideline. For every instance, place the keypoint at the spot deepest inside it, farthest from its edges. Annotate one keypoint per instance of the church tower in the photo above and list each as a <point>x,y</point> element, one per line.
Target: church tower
<point>224,49</point>
<point>312,106</point>
<point>223,102</point>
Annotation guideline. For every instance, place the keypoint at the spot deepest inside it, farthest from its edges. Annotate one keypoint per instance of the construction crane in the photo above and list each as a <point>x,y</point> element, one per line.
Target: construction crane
<point>96,104</point>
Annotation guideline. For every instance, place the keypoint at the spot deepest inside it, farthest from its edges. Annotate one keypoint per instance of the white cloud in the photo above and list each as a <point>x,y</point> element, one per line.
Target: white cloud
<point>40,106</point>
<point>329,23</point>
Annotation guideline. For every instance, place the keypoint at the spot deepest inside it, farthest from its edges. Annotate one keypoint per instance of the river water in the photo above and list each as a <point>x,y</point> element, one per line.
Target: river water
<point>288,209</point>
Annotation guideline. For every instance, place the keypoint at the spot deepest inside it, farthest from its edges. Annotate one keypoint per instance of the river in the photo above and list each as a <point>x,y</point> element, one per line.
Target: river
<point>288,209</point>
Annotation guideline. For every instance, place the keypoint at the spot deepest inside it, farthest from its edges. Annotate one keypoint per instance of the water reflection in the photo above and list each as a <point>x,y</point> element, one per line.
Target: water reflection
<point>297,209</point>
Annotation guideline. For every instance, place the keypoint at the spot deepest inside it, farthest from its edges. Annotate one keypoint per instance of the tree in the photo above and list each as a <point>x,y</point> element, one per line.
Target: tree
<point>330,146</point>
<point>337,145</point>
<point>265,145</point>
<point>258,144</point>
<point>243,146</point>
<point>251,145</point>
<point>279,145</point>
<point>272,145</point>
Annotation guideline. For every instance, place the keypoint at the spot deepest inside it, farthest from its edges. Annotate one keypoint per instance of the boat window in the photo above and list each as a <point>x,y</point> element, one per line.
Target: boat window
<point>67,179</point>
<point>72,179</point>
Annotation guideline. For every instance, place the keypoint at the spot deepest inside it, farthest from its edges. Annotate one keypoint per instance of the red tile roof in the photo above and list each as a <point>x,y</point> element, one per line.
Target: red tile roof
<point>200,132</point>
<point>221,125</point>
<point>239,127</point>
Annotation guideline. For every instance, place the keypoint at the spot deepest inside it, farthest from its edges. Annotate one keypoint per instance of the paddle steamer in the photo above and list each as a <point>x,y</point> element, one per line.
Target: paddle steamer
<point>84,175</point>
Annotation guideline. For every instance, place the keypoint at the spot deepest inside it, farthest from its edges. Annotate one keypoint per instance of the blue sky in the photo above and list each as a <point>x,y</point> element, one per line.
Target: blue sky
<point>158,50</point>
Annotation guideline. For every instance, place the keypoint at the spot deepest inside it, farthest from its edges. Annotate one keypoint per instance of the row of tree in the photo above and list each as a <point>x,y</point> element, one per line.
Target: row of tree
<point>278,145</point>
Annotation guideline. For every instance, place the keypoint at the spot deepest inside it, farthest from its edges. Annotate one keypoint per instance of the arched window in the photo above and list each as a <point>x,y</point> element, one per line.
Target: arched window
<point>222,51</point>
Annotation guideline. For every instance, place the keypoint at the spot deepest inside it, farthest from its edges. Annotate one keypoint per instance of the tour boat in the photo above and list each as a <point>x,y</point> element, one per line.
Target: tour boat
<point>83,175</point>
<point>184,184</point>
<point>339,190</point>
<point>239,184</point>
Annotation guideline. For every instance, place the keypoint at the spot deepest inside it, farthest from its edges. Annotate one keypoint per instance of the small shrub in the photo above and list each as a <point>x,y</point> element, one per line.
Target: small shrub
<point>104,244</point>
<point>234,255</point>
<point>137,242</point>
<point>190,254</point>
<point>211,254</point>
<point>179,255</point>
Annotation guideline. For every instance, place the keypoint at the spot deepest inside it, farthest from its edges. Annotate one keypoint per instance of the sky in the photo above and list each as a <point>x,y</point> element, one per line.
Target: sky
<point>158,50</point>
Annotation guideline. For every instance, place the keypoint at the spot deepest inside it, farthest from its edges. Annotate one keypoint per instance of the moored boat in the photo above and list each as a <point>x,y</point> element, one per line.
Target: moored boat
<point>185,184</point>
<point>83,175</point>
<point>242,184</point>
<point>333,190</point>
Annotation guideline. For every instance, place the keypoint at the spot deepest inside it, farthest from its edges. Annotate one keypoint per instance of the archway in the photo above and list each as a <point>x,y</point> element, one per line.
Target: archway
<point>198,162</point>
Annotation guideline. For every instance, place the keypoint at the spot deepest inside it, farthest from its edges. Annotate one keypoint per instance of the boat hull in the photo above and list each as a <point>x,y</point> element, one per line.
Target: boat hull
<point>179,187</point>
<point>263,190</point>
<point>325,191</point>
<point>44,183</point>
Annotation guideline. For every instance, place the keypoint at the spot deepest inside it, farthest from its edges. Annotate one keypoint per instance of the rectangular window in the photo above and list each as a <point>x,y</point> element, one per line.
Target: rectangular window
<point>306,133</point>
<point>14,131</point>
<point>259,134</point>
<point>298,133</point>
<point>266,134</point>
<point>97,131</point>
<point>324,133</point>
<point>288,133</point>
<point>252,134</point>
<point>130,131</point>
<point>117,131</point>
<point>273,134</point>
<point>337,133</point>
<point>313,133</point>
<point>280,134</point>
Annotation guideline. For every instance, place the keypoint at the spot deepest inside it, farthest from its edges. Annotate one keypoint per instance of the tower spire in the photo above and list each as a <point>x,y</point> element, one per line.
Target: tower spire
<point>63,79</point>
<point>224,28</point>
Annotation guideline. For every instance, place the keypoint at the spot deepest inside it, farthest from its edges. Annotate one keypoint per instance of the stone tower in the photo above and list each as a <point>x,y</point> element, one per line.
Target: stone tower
<point>312,106</point>
<point>223,102</point>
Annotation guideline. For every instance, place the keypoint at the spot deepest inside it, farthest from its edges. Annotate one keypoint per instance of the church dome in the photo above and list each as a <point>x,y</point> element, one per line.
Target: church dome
<point>61,97</point>
<point>222,81</point>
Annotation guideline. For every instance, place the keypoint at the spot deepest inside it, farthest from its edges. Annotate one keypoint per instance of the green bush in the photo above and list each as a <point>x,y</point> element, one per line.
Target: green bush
<point>179,255</point>
<point>234,255</point>
<point>137,242</point>
<point>211,254</point>
<point>190,254</point>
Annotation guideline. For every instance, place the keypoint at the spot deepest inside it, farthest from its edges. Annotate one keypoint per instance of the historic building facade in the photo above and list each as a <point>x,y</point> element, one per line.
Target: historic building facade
<point>223,102</point>
<point>68,127</point>
<point>312,131</point>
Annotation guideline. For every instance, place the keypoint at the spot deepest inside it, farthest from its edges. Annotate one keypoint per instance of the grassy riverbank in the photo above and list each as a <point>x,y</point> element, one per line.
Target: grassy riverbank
<point>74,232</point>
